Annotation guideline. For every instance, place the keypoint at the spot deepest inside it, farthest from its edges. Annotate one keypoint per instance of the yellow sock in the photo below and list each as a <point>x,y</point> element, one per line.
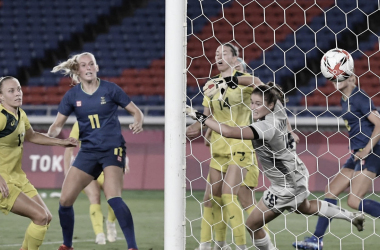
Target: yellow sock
<point>206,224</point>
<point>249,211</point>
<point>25,242</point>
<point>96,218</point>
<point>220,223</point>
<point>111,215</point>
<point>35,236</point>
<point>236,218</point>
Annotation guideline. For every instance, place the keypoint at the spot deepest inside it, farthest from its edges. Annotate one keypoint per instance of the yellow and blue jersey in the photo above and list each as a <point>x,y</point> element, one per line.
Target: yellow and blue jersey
<point>99,126</point>
<point>234,111</point>
<point>12,134</point>
<point>355,111</point>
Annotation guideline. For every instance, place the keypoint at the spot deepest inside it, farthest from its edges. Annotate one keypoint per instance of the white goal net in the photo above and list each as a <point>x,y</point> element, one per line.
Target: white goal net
<point>282,42</point>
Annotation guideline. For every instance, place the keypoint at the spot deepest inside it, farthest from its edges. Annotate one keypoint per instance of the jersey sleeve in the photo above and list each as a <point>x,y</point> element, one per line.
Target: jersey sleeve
<point>206,102</point>
<point>264,130</point>
<point>75,131</point>
<point>120,97</point>
<point>3,121</point>
<point>66,107</point>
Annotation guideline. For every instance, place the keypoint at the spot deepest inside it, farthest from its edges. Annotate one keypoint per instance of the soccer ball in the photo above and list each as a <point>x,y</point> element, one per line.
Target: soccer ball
<point>337,65</point>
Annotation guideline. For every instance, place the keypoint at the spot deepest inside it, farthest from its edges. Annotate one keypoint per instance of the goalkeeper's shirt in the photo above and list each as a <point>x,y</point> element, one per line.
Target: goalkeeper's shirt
<point>277,155</point>
<point>234,111</point>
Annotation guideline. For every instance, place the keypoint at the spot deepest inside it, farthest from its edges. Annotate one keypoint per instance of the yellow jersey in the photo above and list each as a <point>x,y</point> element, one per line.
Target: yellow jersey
<point>234,111</point>
<point>75,131</point>
<point>12,134</point>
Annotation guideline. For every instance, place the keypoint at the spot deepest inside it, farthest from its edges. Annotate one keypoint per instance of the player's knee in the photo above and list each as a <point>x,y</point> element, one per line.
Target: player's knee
<point>207,203</point>
<point>66,201</point>
<point>353,202</point>
<point>42,218</point>
<point>49,217</point>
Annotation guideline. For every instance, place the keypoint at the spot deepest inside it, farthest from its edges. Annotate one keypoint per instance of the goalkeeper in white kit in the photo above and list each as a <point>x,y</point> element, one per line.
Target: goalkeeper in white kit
<point>282,166</point>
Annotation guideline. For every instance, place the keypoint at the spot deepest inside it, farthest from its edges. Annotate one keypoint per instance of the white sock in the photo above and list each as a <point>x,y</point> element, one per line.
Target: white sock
<point>204,245</point>
<point>332,211</point>
<point>241,247</point>
<point>264,243</point>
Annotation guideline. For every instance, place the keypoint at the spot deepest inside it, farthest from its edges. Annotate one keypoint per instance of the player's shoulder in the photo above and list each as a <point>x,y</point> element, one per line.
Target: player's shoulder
<point>216,76</point>
<point>22,112</point>
<point>359,95</point>
<point>239,73</point>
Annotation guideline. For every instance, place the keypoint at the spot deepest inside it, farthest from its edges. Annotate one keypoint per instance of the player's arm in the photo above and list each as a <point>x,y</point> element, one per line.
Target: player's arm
<point>373,117</point>
<point>251,81</point>
<point>246,133</point>
<point>138,117</point>
<point>57,126</point>
<point>295,136</point>
<point>194,129</point>
<point>42,139</point>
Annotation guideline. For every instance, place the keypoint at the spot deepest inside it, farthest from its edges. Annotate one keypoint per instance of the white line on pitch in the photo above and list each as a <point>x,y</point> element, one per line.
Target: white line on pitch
<point>55,242</point>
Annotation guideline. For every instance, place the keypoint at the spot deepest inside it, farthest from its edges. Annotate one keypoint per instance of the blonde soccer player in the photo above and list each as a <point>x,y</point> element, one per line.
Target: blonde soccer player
<point>94,103</point>
<point>231,159</point>
<point>17,194</point>
<point>93,191</point>
<point>246,193</point>
<point>286,172</point>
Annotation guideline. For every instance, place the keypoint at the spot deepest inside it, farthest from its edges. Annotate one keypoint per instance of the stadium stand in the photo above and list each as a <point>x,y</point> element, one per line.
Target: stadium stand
<point>129,45</point>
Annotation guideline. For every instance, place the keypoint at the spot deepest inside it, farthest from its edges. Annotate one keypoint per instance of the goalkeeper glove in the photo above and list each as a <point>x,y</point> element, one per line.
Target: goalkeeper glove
<point>220,84</point>
<point>195,115</point>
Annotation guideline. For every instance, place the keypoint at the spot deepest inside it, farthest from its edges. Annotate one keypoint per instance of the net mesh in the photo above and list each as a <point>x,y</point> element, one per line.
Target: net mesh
<point>283,42</point>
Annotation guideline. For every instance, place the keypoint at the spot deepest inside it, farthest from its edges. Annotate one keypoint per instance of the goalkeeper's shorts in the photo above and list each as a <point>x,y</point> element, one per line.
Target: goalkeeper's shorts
<point>243,159</point>
<point>278,198</point>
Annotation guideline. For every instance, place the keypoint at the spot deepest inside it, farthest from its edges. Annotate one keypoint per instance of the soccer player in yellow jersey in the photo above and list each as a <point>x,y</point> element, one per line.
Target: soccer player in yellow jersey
<point>17,194</point>
<point>231,158</point>
<point>93,193</point>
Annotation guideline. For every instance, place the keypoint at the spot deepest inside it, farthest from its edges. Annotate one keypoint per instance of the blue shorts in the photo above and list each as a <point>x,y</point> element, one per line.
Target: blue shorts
<point>93,162</point>
<point>371,162</point>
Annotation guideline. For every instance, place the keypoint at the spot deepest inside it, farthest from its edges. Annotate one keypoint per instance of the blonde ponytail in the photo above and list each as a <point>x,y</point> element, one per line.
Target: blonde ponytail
<point>70,67</point>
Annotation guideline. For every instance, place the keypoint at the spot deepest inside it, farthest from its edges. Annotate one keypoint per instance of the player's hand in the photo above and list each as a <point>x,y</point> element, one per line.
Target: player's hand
<point>70,142</point>
<point>195,115</point>
<point>361,155</point>
<point>215,86</point>
<point>136,127</point>
<point>3,187</point>
<point>295,137</point>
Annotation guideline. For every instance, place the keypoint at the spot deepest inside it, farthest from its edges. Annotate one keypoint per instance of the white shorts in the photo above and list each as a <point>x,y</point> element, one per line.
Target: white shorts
<point>280,198</point>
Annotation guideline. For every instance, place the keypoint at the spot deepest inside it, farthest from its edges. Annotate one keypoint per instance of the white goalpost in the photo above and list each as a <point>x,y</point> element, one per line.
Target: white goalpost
<point>175,91</point>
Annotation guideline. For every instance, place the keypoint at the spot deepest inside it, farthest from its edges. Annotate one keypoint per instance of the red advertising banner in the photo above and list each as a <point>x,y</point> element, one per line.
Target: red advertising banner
<point>323,155</point>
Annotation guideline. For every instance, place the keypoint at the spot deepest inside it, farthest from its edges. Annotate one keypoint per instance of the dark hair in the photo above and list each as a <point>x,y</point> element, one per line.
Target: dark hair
<point>234,49</point>
<point>280,94</point>
<point>2,79</point>
<point>270,95</point>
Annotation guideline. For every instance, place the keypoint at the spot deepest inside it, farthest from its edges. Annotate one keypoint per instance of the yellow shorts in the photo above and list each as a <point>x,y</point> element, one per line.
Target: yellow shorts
<point>243,159</point>
<point>6,204</point>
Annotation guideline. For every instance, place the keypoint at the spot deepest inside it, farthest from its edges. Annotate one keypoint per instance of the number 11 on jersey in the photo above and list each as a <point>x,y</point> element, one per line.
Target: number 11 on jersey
<point>94,119</point>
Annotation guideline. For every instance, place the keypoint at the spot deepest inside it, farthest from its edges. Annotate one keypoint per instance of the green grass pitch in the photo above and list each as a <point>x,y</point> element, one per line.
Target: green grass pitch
<point>148,213</point>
